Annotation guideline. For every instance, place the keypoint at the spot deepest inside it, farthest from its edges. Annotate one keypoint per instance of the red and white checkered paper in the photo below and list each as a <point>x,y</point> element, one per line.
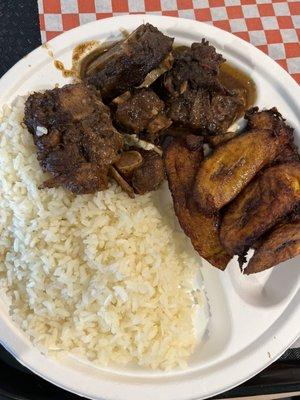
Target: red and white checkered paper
<point>273,26</point>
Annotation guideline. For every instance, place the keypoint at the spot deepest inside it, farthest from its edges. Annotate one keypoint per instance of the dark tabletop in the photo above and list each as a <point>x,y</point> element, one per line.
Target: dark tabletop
<point>19,34</point>
<point>19,31</point>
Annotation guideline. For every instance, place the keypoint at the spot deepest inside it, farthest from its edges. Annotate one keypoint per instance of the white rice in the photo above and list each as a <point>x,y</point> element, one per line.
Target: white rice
<point>102,276</point>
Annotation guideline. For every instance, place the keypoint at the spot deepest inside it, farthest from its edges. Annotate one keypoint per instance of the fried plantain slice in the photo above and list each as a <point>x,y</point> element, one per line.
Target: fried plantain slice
<point>232,165</point>
<point>182,158</point>
<point>265,119</point>
<point>218,140</point>
<point>264,202</point>
<point>287,154</point>
<point>281,244</point>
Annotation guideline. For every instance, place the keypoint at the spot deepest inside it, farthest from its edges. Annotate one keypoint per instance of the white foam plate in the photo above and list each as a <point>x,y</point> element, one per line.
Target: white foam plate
<point>253,319</point>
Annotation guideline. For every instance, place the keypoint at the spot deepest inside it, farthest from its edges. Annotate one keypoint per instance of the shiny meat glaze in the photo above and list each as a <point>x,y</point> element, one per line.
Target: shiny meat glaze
<point>126,64</point>
<point>136,113</point>
<point>74,135</point>
<point>196,98</point>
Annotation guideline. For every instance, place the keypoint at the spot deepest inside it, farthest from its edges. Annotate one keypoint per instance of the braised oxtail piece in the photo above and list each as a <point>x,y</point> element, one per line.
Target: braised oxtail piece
<point>126,64</point>
<point>75,139</point>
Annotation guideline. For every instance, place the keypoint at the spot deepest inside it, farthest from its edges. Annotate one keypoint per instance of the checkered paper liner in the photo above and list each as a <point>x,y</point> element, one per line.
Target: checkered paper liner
<point>271,26</point>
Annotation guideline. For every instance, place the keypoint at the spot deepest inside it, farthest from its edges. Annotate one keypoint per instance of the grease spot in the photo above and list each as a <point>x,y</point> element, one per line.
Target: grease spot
<point>67,73</point>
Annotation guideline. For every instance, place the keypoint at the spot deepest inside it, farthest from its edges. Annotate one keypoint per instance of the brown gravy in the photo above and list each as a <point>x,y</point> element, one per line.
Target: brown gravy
<point>86,53</point>
<point>234,78</point>
<point>67,73</point>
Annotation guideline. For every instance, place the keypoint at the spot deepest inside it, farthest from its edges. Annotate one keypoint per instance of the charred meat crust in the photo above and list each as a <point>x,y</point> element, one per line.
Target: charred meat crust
<point>135,114</point>
<point>204,111</point>
<point>150,174</point>
<point>182,158</point>
<point>196,98</point>
<point>74,136</point>
<point>194,67</point>
<point>126,64</point>
<point>85,178</point>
